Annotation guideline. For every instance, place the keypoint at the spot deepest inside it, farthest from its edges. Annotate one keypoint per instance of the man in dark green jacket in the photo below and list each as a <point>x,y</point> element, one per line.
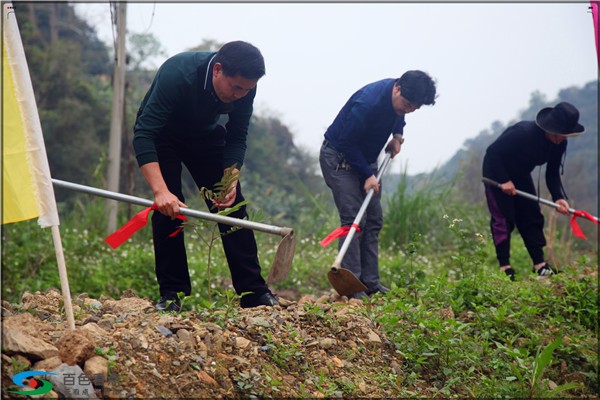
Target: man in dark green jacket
<point>177,124</point>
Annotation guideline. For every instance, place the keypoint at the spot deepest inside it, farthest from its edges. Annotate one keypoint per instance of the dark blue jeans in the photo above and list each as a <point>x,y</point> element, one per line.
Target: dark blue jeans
<point>203,157</point>
<point>362,257</point>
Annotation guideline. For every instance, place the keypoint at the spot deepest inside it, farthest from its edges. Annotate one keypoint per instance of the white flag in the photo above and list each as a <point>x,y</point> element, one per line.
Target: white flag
<point>26,182</point>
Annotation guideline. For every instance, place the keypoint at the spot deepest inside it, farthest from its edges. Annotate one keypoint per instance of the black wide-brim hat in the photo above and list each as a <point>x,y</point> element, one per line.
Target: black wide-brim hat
<point>563,119</point>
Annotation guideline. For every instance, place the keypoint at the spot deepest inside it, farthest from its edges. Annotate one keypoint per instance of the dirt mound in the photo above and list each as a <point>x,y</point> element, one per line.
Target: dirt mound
<point>323,347</point>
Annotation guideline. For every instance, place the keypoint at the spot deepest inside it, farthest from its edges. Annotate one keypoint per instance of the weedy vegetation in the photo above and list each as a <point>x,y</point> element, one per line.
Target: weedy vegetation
<point>460,326</point>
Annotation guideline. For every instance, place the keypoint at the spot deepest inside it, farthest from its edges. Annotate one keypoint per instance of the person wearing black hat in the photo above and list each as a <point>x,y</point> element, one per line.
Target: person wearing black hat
<point>509,160</point>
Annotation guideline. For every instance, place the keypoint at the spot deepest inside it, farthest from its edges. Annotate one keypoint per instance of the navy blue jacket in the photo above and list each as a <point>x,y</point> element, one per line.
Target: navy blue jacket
<point>364,124</point>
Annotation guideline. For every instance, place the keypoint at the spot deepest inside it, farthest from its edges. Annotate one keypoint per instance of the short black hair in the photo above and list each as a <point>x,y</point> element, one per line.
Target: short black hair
<point>241,58</point>
<point>417,87</point>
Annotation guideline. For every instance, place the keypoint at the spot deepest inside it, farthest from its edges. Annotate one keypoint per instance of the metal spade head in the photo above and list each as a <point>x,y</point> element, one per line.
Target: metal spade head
<point>282,263</point>
<point>344,281</point>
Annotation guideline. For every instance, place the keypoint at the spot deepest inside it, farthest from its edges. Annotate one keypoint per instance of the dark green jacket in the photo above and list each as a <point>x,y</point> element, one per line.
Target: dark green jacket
<point>181,102</point>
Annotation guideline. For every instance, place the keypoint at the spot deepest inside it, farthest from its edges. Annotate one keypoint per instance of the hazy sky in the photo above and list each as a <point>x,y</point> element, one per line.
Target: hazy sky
<point>487,58</point>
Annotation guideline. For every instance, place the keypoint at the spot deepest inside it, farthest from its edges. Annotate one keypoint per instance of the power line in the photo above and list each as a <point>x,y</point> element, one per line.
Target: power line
<point>151,18</point>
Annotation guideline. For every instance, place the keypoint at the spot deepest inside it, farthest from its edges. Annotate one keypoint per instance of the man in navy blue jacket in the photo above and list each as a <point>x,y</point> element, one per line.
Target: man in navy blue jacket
<point>509,161</point>
<point>348,161</point>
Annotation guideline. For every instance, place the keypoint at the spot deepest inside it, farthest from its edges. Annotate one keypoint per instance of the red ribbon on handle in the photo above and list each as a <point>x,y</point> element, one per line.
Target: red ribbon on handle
<point>337,233</point>
<point>136,223</point>
<point>575,226</point>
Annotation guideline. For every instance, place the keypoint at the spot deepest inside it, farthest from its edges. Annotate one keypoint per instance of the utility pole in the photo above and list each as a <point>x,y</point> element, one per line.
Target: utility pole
<point>116,123</point>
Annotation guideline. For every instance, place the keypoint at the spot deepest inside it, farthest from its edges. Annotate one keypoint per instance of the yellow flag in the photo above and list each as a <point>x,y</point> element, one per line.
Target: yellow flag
<point>26,182</point>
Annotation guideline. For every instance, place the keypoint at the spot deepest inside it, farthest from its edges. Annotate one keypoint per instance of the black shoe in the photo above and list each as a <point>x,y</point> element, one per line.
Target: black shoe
<point>378,289</point>
<point>265,299</point>
<point>510,273</point>
<point>359,296</point>
<point>169,302</point>
<point>545,270</point>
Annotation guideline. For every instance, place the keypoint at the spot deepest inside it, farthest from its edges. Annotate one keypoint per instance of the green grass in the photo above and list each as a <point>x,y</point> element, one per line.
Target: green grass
<point>462,328</point>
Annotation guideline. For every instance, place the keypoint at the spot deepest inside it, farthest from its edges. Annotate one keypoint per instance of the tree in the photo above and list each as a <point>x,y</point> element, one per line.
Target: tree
<point>69,68</point>
<point>207,45</point>
<point>144,48</point>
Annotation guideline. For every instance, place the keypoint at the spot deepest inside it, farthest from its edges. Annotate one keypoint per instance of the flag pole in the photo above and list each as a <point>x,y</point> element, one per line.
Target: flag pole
<point>62,273</point>
<point>22,125</point>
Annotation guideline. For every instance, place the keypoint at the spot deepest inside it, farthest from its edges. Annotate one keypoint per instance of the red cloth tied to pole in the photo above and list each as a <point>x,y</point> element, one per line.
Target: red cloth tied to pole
<point>337,233</point>
<point>575,226</point>
<point>136,223</point>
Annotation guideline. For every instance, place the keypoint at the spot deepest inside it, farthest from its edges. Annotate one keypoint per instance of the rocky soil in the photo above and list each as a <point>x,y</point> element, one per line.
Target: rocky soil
<point>309,347</point>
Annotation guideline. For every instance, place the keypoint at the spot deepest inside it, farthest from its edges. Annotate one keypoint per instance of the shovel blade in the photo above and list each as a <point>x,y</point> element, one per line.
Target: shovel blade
<point>344,282</point>
<point>282,263</point>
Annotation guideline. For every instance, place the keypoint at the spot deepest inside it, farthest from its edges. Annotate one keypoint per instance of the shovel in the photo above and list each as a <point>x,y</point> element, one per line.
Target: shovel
<point>532,197</point>
<point>282,262</point>
<point>343,280</point>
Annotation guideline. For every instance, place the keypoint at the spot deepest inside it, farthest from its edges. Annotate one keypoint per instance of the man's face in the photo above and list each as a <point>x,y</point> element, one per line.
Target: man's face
<point>228,88</point>
<point>556,139</point>
<point>400,104</point>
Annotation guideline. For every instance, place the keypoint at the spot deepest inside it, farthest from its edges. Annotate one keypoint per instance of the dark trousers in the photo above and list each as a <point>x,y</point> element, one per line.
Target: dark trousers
<point>508,212</point>
<point>204,160</point>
